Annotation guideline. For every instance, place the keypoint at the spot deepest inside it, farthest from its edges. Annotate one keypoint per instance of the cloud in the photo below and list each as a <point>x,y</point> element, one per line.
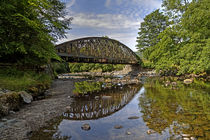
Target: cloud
<point>151,4</point>
<point>70,3</point>
<point>107,3</point>
<point>105,21</point>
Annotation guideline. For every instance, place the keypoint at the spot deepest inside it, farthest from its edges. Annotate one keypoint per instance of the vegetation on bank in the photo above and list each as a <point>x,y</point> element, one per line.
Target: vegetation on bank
<point>176,41</point>
<point>85,67</point>
<point>29,29</point>
<point>27,80</point>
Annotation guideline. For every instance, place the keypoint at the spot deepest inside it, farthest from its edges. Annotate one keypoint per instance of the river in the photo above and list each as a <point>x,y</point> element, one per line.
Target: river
<point>147,111</point>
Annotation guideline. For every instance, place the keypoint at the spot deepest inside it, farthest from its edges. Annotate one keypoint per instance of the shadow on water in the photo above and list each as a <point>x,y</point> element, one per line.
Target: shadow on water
<point>161,113</point>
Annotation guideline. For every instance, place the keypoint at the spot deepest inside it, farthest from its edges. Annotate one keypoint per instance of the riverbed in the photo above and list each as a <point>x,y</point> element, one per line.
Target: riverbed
<point>146,111</point>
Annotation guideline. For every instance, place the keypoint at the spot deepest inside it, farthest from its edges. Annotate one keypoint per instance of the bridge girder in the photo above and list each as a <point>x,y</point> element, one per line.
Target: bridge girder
<point>96,50</point>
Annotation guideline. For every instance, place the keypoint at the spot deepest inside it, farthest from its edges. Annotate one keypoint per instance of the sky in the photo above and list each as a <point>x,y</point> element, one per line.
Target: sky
<point>117,19</point>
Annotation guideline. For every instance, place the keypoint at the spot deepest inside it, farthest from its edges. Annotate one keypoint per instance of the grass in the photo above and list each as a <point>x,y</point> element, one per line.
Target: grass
<point>16,80</point>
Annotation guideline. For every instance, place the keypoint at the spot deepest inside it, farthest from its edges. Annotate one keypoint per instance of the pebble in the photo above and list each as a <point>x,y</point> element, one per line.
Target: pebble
<point>68,107</point>
<point>118,126</point>
<point>12,112</point>
<point>85,127</point>
<point>185,135</point>
<point>193,138</point>
<point>133,117</point>
<point>106,97</point>
<point>128,133</point>
<point>96,97</point>
<point>4,120</point>
<point>150,131</point>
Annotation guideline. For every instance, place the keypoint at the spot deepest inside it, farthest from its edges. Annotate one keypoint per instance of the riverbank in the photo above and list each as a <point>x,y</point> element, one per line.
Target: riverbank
<point>19,125</point>
<point>19,87</point>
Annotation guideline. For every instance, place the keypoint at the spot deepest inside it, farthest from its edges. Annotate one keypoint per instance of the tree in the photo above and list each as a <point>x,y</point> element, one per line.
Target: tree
<point>175,9</point>
<point>152,26</point>
<point>184,47</point>
<point>29,28</point>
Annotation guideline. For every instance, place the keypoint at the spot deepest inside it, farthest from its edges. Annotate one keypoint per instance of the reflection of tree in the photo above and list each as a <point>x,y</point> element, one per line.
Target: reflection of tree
<point>183,111</point>
<point>86,87</point>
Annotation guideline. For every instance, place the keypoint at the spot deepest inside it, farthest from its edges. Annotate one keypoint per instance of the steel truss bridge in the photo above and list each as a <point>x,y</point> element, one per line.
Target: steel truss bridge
<point>96,50</point>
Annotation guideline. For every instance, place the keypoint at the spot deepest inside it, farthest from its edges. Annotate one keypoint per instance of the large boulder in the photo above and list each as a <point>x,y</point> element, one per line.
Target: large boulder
<point>27,98</point>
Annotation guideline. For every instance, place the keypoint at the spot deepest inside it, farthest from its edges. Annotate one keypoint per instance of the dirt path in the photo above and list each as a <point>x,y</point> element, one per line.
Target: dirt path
<point>21,124</point>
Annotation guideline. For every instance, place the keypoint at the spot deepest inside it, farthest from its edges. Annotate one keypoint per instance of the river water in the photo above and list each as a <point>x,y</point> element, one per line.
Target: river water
<point>147,111</point>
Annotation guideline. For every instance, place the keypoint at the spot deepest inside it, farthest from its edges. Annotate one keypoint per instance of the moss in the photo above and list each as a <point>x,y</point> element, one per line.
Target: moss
<point>33,90</point>
<point>9,101</point>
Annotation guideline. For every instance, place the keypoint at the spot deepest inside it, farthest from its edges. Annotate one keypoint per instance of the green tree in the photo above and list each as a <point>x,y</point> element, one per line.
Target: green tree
<point>184,47</point>
<point>29,28</point>
<point>152,26</point>
<point>175,9</point>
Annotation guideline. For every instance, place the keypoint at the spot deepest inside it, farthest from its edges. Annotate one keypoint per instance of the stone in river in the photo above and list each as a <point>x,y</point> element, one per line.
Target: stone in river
<point>128,133</point>
<point>118,126</point>
<point>133,117</point>
<point>85,127</point>
<point>27,98</point>
<point>150,131</point>
<point>188,81</point>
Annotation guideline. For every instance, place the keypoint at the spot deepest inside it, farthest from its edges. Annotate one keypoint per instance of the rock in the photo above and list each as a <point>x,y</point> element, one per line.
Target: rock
<point>167,83</point>
<point>128,133</point>
<point>106,97</point>
<point>4,119</point>
<point>85,127</point>
<point>12,112</point>
<point>69,97</point>
<point>185,135</point>
<point>133,117</point>
<point>193,138</point>
<point>188,81</point>
<point>186,138</point>
<point>49,131</point>
<point>118,126</point>
<point>150,131</point>
<point>174,84</point>
<point>27,98</point>
<point>68,107</point>
<point>96,97</point>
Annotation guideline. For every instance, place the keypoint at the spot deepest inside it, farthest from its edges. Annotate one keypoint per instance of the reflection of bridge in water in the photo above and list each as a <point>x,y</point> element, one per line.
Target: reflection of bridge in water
<point>108,103</point>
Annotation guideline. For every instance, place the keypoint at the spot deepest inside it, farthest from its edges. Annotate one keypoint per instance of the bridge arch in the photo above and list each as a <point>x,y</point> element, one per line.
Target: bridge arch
<point>96,50</point>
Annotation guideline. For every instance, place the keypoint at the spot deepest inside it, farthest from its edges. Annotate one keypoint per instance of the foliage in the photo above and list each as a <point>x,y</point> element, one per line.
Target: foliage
<point>183,48</point>
<point>60,68</point>
<point>13,79</point>
<point>152,26</point>
<point>85,67</point>
<point>29,28</point>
